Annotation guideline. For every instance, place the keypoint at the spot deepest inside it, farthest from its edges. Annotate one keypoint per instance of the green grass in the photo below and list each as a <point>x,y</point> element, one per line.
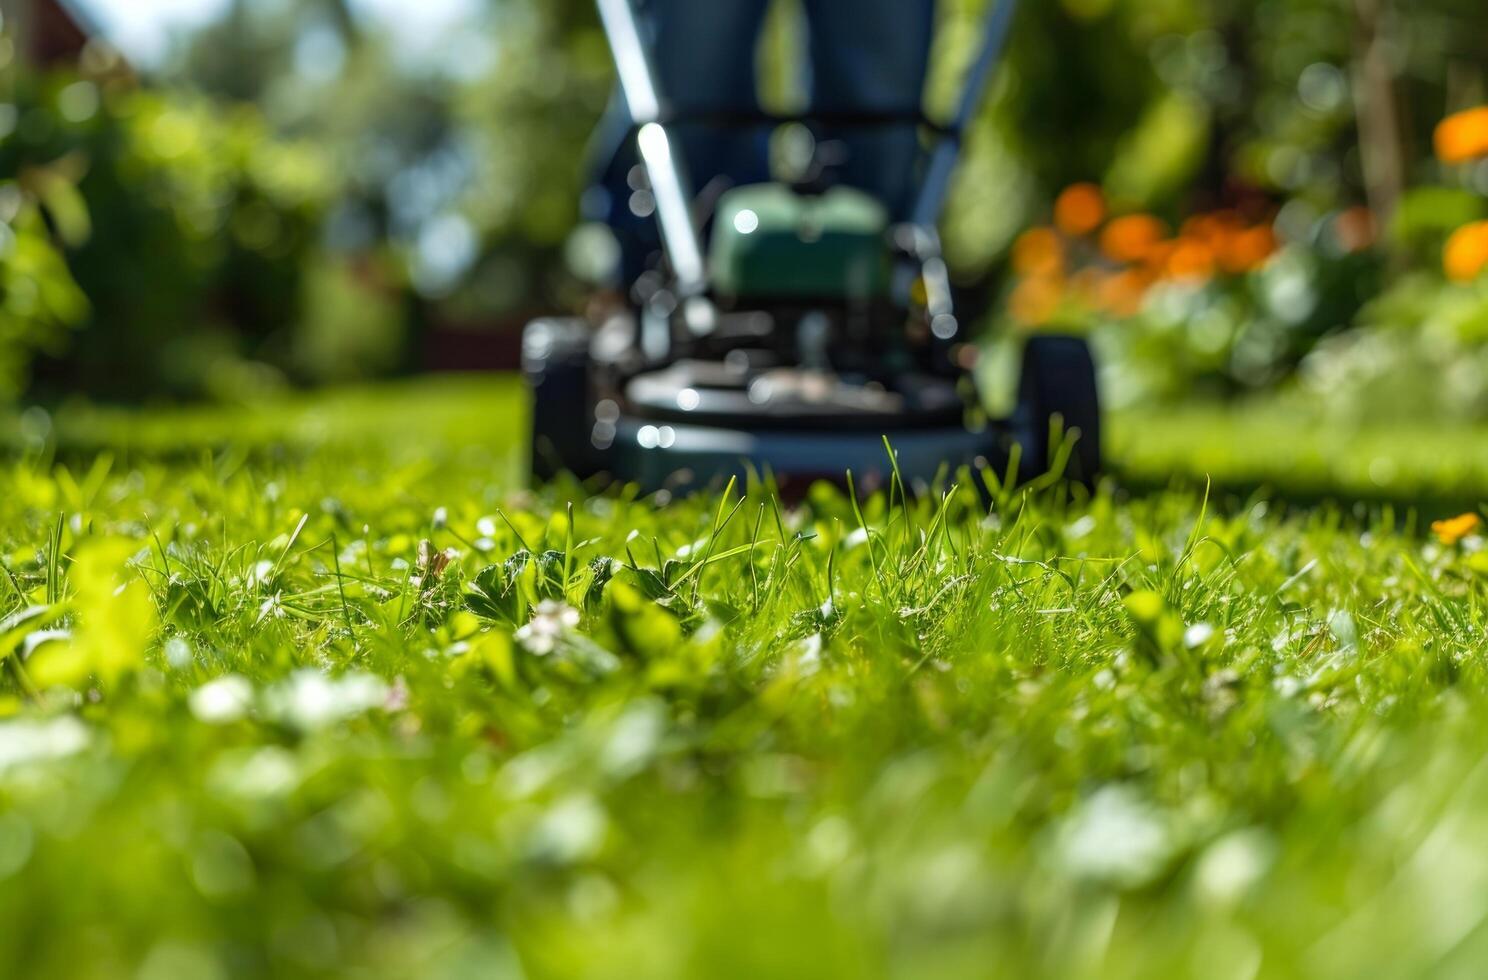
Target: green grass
<point>251,727</point>
<point>1295,452</point>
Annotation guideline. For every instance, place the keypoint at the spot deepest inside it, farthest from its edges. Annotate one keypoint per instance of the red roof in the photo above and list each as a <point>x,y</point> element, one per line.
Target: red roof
<point>55,33</point>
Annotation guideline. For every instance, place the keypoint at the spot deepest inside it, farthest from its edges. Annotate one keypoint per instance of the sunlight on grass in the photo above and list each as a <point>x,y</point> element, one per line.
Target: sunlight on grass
<point>331,691</point>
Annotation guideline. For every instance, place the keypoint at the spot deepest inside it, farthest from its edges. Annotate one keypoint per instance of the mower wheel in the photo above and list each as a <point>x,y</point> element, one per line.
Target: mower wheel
<point>555,362</point>
<point>1058,380</point>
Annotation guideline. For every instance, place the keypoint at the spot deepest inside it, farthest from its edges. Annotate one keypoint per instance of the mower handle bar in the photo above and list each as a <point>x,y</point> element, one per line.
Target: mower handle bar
<point>669,188</point>
<point>668,182</point>
<point>937,181</point>
<point>830,118</point>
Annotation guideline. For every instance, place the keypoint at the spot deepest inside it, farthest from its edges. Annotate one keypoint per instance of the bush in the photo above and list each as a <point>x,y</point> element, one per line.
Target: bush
<point>184,223</point>
<point>39,301</point>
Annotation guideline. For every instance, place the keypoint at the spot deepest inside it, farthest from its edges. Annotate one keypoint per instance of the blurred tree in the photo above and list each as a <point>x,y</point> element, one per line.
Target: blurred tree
<point>465,165</point>
<point>184,224</point>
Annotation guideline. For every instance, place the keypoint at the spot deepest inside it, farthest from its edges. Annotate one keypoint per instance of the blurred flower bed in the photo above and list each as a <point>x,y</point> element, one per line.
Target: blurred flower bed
<point>1254,299</point>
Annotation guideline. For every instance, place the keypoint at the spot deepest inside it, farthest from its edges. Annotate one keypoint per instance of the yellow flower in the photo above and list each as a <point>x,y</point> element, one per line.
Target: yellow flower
<point>1454,529</point>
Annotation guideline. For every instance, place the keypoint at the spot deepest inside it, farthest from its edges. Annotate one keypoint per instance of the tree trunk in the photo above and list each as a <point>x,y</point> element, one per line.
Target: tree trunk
<point>1377,109</point>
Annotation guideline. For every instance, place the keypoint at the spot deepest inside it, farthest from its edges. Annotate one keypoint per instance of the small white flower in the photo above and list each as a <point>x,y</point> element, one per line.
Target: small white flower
<point>310,700</point>
<point>270,608</point>
<point>550,620</point>
<point>397,695</point>
<point>1197,635</point>
<point>222,701</point>
<point>177,652</point>
<point>26,740</point>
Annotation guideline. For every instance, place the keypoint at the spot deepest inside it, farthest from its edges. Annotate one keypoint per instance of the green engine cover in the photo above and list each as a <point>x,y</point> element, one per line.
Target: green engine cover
<point>771,243</point>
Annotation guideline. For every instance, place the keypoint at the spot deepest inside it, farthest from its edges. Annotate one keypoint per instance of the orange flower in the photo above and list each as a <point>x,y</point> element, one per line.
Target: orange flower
<point>1454,529</point>
<point>1462,136</point>
<point>1466,252</point>
<point>1079,210</point>
<point>1036,299</point>
<point>1130,238</point>
<point>1192,260</point>
<point>1121,293</point>
<point>1214,229</point>
<point>1158,254</point>
<point>1038,251</point>
<point>1246,249</point>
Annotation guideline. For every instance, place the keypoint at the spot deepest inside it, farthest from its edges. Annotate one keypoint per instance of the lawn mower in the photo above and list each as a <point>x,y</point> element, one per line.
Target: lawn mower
<point>808,330</point>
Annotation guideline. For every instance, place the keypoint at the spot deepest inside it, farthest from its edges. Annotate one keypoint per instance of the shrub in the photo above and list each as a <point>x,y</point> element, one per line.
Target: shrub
<point>183,222</point>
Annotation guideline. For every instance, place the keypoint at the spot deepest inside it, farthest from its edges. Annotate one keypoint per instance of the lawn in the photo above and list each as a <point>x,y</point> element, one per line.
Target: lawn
<point>319,688</point>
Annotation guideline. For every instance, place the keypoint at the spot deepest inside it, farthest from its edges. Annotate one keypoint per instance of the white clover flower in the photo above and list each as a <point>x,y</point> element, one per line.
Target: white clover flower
<point>550,620</point>
<point>223,700</point>
<point>36,740</point>
<point>310,700</point>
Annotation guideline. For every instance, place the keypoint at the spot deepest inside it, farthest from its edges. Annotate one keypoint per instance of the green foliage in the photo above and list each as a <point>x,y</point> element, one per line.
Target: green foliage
<point>185,225</point>
<point>1420,353</point>
<point>484,145</point>
<point>1428,215</point>
<point>1068,734</point>
<point>39,300</point>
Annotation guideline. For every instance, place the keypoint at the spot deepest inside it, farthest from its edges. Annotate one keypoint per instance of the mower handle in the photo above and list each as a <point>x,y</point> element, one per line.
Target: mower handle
<point>937,181</point>
<point>668,182</point>
<point>841,119</point>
